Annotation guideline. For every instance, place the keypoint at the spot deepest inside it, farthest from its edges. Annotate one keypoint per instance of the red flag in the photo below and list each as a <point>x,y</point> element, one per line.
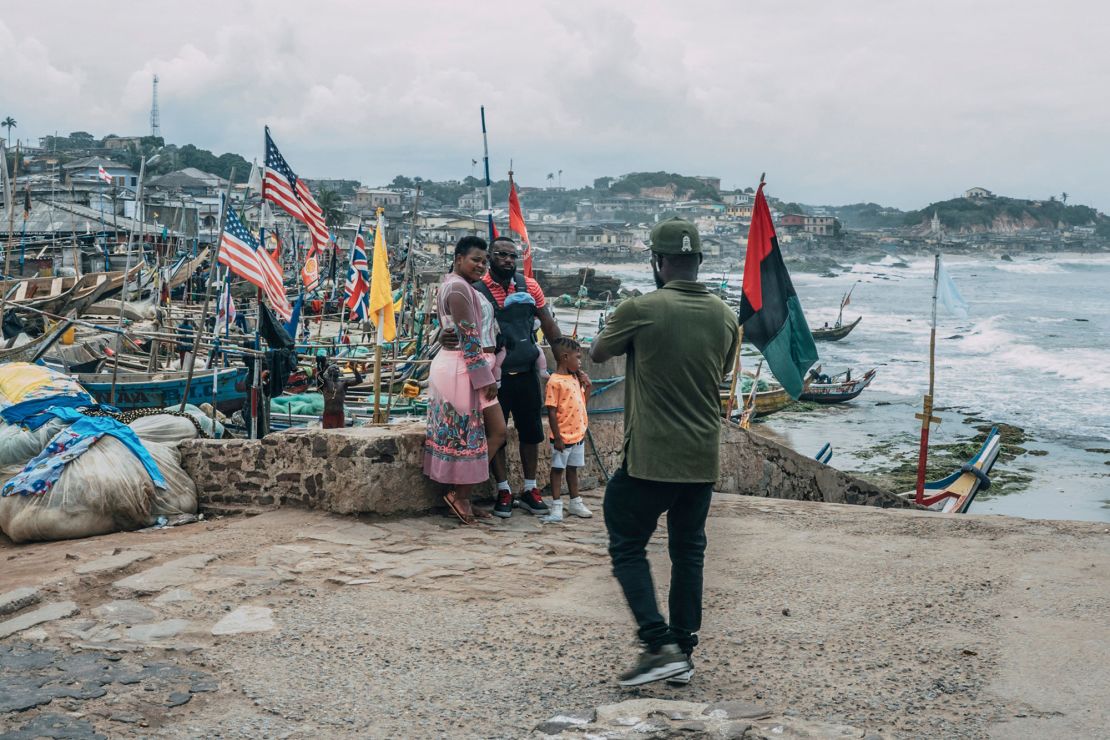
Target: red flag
<point>516,224</point>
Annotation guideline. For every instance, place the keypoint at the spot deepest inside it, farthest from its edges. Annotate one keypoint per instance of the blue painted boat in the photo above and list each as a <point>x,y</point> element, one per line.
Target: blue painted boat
<point>162,389</point>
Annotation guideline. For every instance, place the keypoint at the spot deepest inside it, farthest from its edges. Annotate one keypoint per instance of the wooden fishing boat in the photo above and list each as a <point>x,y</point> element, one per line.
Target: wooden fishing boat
<point>835,333</point>
<point>162,389</point>
<point>766,402</point>
<point>185,270</point>
<point>34,349</point>
<point>58,295</point>
<point>835,389</point>
<point>955,493</point>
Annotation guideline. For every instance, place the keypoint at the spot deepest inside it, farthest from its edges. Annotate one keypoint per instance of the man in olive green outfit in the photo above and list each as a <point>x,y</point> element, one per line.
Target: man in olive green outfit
<point>681,341</point>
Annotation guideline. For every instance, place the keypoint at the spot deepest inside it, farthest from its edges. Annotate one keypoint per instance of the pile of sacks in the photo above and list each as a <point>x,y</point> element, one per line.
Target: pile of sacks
<point>68,469</point>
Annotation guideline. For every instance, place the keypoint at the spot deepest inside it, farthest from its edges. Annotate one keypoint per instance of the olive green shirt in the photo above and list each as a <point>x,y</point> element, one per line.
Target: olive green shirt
<point>681,342</point>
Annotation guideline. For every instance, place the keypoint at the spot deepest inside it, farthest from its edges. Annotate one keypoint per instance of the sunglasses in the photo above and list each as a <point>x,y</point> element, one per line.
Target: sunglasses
<point>506,255</point>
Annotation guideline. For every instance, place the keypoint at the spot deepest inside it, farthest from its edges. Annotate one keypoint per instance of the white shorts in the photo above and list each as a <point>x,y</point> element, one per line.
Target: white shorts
<point>572,456</point>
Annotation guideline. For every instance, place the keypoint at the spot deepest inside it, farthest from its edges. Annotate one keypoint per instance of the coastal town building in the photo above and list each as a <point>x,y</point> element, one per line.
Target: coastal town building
<point>369,199</point>
<point>88,168</point>
<point>978,193</point>
<point>472,201</point>
<point>821,225</point>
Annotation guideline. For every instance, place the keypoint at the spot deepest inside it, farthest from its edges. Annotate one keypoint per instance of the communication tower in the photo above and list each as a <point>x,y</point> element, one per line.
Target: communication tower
<point>155,126</point>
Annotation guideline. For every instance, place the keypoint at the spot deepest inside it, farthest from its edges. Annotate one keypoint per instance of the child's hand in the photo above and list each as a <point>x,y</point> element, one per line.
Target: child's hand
<point>585,381</point>
<point>559,445</point>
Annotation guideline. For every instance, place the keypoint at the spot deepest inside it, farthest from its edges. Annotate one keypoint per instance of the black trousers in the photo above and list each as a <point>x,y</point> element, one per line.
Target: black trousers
<point>632,510</point>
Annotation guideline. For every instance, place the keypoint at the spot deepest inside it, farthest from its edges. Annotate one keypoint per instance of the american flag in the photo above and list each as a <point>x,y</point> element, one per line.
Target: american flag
<point>313,217</point>
<point>358,279</point>
<point>279,182</point>
<point>242,253</point>
<point>281,186</point>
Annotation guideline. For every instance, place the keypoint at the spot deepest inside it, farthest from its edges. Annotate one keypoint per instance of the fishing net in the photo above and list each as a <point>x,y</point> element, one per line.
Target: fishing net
<point>300,403</point>
<point>104,490</point>
<point>18,445</point>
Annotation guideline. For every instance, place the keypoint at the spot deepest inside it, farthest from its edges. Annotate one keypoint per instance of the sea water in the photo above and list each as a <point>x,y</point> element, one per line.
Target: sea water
<point>1034,352</point>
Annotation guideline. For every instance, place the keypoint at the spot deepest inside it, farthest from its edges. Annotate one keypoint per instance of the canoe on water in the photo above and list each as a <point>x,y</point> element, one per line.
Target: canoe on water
<point>955,493</point>
<point>835,333</point>
<point>838,390</point>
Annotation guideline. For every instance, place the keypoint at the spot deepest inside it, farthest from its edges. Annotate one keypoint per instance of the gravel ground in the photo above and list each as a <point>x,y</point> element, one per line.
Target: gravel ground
<point>901,623</point>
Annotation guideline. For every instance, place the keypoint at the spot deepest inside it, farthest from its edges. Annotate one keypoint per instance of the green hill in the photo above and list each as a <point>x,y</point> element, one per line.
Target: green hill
<point>684,187</point>
<point>1003,214</point>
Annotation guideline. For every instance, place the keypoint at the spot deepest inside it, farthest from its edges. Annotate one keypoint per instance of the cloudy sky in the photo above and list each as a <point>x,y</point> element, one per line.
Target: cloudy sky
<point>901,102</point>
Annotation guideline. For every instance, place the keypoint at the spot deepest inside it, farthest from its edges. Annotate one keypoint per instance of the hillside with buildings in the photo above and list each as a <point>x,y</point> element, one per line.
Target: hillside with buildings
<point>981,211</point>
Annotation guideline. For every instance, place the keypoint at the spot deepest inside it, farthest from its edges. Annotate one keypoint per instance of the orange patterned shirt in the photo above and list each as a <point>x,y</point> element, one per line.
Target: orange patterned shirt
<point>565,395</point>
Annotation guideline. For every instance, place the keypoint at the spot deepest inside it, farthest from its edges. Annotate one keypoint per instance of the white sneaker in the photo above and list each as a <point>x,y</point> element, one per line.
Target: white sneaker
<point>555,514</point>
<point>576,507</point>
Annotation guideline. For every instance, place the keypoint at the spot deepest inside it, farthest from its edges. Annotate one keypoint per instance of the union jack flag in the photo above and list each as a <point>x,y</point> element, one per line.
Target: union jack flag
<point>244,256</point>
<point>358,279</point>
<point>281,186</point>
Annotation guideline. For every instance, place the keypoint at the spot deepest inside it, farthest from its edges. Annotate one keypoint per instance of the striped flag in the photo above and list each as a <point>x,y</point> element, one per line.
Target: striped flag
<point>243,254</point>
<point>282,187</point>
<point>313,216</point>
<point>357,290</point>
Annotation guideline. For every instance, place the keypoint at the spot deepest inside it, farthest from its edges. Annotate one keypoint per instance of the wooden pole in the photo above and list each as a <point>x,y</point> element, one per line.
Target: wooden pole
<point>11,208</point>
<point>378,375</point>
<point>926,415</point>
<point>735,375</point>
<point>207,291</point>
<point>406,287</point>
<point>140,214</point>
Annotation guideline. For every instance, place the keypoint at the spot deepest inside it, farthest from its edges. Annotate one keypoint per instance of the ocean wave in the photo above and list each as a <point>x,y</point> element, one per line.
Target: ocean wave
<point>1031,268</point>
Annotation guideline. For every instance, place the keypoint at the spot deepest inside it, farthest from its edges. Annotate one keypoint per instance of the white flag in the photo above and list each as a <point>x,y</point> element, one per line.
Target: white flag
<point>948,295</point>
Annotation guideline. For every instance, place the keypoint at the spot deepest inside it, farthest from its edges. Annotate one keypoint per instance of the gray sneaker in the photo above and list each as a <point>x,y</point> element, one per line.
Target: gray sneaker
<point>682,679</point>
<point>664,663</point>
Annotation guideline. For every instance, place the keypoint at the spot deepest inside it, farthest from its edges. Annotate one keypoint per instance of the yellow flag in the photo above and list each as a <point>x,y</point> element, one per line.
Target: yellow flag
<point>381,291</point>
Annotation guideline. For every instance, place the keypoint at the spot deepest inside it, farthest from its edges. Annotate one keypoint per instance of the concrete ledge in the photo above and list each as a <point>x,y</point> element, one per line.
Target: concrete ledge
<point>379,470</point>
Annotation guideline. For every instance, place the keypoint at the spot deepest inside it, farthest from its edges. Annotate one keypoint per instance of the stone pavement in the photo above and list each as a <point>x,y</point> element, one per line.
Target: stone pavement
<point>820,622</point>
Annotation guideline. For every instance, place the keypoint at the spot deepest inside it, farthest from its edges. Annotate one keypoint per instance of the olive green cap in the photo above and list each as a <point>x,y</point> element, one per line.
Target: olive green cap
<point>675,236</point>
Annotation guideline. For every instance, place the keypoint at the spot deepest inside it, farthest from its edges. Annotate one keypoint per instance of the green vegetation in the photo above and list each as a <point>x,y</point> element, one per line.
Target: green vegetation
<point>635,181</point>
<point>965,214</point>
<point>868,216</point>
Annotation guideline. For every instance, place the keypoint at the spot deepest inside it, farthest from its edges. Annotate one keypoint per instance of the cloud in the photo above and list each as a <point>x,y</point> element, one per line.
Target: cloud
<point>900,103</point>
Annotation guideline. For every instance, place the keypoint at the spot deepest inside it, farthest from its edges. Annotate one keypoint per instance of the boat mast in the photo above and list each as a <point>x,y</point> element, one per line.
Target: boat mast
<point>489,189</point>
<point>926,415</point>
<point>140,215</point>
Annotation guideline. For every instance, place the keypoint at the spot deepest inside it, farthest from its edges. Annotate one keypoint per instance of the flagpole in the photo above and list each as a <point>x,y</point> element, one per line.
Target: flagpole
<point>489,189</point>
<point>406,286</point>
<point>380,333</point>
<point>199,335</point>
<point>926,414</point>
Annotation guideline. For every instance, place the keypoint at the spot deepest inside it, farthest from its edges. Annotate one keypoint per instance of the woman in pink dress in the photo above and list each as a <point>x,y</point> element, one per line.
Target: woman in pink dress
<point>461,387</point>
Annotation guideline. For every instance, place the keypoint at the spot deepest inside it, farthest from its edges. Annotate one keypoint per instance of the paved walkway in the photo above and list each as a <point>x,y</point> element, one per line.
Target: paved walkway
<point>298,624</point>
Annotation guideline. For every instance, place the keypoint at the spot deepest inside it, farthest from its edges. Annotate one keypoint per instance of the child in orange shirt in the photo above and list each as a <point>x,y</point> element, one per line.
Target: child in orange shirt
<point>566,413</point>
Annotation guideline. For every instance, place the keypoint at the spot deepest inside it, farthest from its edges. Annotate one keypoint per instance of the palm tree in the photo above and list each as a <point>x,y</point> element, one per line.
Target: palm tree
<point>9,123</point>
<point>1064,197</point>
<point>332,206</point>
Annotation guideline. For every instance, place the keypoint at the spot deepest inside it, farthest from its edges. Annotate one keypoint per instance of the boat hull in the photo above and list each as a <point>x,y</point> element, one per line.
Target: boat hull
<point>136,393</point>
<point>836,333</point>
<point>836,392</point>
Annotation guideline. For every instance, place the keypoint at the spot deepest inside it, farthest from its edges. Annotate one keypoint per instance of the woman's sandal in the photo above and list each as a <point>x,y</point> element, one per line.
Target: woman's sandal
<point>455,505</point>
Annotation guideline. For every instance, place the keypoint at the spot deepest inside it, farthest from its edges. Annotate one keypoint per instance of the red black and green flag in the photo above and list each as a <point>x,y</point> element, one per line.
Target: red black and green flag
<point>769,308</point>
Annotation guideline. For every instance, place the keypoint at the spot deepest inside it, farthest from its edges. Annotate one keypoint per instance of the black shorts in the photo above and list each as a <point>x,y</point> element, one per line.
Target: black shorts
<point>520,397</point>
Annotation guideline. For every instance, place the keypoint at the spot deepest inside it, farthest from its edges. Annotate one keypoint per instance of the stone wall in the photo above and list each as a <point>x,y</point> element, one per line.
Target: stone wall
<point>378,469</point>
